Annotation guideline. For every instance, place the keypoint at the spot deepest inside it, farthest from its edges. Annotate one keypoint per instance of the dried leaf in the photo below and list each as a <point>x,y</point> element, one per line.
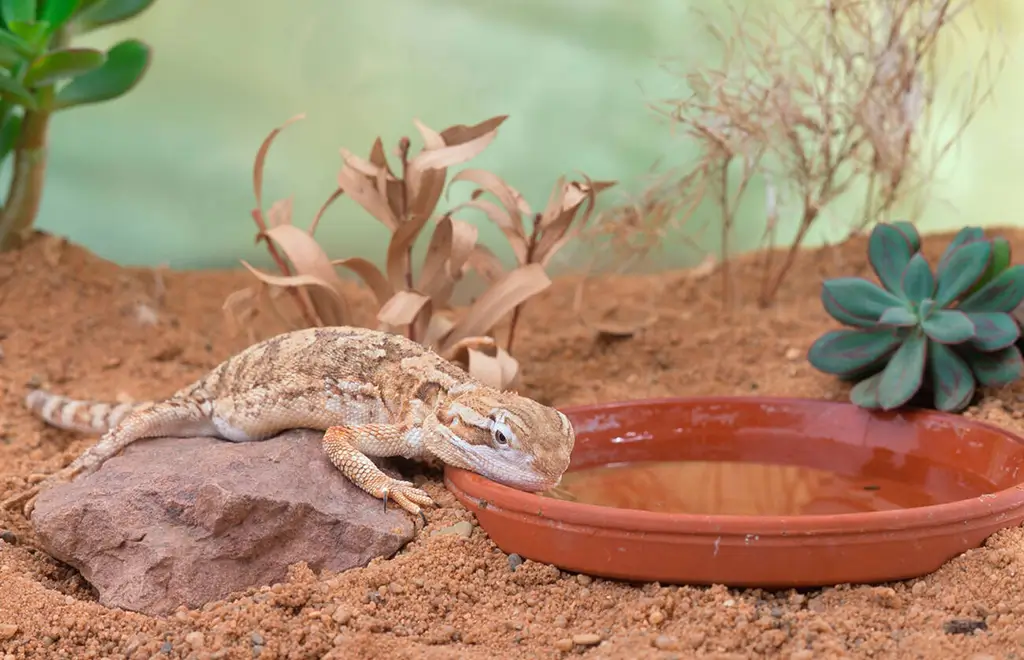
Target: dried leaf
<point>270,296</point>
<point>309,258</point>
<point>390,186</point>
<point>505,194</point>
<point>370,275</point>
<point>437,329</point>
<point>500,216</point>
<point>422,186</point>
<point>460,133</point>
<point>557,203</point>
<point>397,264</point>
<point>460,350</point>
<point>294,281</point>
<point>363,190</point>
<point>367,168</point>
<point>280,213</point>
<point>379,158</point>
<point>402,309</point>
<point>499,370</point>
<point>486,263</point>
<point>704,269</point>
<point>261,157</point>
<point>562,230</point>
<point>464,237</point>
<point>319,214</point>
<point>455,153</point>
<point>515,288</point>
<point>239,309</point>
<point>434,273</point>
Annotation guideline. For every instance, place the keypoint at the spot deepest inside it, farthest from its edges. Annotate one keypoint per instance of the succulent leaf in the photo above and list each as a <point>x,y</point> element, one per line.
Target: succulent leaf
<point>846,351</point>
<point>21,11</point>
<point>948,326</point>
<point>900,317</point>
<point>57,12</point>
<point>15,43</point>
<point>909,231</point>
<point>64,63</point>
<point>963,237</point>
<point>12,90</point>
<point>917,281</point>
<point>1001,253</point>
<point>952,380</point>
<point>124,67</point>
<point>860,298</point>
<point>1002,294</point>
<point>964,267</point>
<point>865,393</point>
<point>993,331</point>
<point>108,12</point>
<point>889,250</point>
<point>996,368</point>
<point>841,315</point>
<point>904,374</point>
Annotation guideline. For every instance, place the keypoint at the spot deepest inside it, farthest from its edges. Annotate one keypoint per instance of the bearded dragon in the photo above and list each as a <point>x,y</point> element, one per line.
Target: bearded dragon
<point>373,393</point>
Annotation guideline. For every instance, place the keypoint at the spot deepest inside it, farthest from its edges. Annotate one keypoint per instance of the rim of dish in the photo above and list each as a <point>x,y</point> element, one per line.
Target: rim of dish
<point>970,512</point>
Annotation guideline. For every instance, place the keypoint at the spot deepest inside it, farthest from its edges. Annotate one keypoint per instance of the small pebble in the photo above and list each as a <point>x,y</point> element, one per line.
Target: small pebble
<point>341,616</point>
<point>8,537</point>
<point>8,630</point>
<point>919,588</point>
<point>195,639</point>
<point>665,643</point>
<point>584,580</point>
<point>564,644</point>
<point>514,561</point>
<point>793,354</point>
<point>463,528</point>
<point>656,617</point>
<point>586,639</point>
<point>166,647</point>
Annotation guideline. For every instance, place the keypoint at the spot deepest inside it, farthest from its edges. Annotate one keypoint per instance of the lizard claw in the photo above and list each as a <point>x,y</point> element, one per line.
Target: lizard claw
<point>405,495</point>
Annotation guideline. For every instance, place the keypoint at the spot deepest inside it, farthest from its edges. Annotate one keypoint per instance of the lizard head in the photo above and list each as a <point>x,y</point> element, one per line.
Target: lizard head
<point>505,437</point>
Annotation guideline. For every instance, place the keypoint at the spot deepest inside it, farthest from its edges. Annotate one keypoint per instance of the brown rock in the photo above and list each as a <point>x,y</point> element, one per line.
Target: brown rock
<point>184,521</point>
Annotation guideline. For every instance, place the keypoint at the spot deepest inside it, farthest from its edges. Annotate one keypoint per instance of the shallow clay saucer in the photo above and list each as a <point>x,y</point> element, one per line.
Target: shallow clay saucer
<point>761,492</point>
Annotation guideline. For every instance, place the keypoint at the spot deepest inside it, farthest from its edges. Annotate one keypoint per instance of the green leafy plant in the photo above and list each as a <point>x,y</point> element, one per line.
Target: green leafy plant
<point>40,74</point>
<point>945,331</point>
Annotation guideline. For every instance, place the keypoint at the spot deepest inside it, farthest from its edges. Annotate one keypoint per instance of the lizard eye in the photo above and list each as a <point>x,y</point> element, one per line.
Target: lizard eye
<point>500,437</point>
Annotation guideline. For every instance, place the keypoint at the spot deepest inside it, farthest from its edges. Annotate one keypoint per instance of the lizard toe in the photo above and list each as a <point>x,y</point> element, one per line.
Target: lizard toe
<point>405,495</point>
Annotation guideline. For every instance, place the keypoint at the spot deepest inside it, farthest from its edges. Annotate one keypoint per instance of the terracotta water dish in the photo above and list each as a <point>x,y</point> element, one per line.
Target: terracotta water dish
<point>760,492</point>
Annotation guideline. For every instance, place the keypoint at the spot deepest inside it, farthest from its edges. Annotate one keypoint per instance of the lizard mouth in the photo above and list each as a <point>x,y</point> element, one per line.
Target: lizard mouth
<point>514,470</point>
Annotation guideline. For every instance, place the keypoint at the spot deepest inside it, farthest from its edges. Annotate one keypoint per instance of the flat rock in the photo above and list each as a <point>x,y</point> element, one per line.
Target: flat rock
<point>184,521</point>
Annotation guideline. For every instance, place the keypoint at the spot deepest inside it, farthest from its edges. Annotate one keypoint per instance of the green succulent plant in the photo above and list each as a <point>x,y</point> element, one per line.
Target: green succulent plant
<point>945,331</point>
<point>40,74</point>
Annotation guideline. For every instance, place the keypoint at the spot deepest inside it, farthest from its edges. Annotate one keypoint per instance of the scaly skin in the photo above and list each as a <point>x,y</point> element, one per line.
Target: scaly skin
<point>372,393</point>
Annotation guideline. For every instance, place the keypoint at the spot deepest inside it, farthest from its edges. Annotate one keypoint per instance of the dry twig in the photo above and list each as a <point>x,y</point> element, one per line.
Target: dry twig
<point>837,98</point>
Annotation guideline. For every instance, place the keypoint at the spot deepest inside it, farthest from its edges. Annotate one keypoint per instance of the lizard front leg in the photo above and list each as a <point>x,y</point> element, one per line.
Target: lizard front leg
<point>345,447</point>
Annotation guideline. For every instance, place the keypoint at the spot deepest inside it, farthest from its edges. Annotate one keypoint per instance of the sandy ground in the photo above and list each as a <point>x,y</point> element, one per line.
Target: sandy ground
<point>86,327</point>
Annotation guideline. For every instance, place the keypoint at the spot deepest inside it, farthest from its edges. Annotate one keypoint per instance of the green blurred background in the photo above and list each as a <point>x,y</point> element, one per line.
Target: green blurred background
<point>163,175</point>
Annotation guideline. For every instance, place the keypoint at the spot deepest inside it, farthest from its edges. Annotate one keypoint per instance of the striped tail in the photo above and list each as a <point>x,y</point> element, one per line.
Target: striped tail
<point>73,415</point>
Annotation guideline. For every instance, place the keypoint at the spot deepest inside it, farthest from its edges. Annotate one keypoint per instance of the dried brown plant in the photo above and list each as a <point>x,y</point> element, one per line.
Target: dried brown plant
<point>550,230</point>
<point>409,302</point>
<point>834,99</point>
